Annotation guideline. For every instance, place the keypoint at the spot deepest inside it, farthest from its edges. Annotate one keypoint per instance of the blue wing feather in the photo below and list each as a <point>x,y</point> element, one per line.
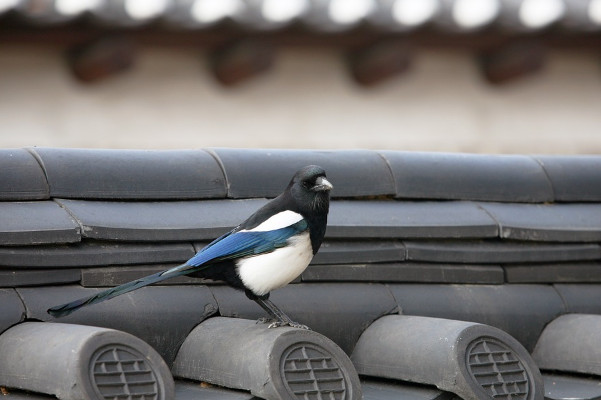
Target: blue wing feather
<point>245,243</point>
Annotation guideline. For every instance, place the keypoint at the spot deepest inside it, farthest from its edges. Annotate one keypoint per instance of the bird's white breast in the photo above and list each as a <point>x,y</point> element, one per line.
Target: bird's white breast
<point>266,272</point>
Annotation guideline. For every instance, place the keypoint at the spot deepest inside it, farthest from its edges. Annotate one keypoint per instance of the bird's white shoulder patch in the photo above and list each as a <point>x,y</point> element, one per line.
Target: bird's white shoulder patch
<point>277,221</point>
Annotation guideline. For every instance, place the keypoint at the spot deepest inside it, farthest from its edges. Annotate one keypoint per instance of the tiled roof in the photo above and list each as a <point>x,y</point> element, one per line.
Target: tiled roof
<point>241,37</point>
<point>317,15</point>
<point>510,242</point>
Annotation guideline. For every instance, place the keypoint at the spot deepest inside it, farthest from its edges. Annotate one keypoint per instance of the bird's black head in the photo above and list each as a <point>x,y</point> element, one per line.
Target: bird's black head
<point>311,190</point>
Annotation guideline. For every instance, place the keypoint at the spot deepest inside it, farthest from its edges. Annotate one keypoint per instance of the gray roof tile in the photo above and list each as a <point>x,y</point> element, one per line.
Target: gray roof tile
<point>161,316</point>
<point>15,394</point>
<point>405,272</point>
<point>132,174</point>
<point>36,222</point>
<point>495,252</point>
<point>187,390</point>
<point>574,178</point>
<point>198,220</point>
<point>35,277</point>
<point>12,310</point>
<point>22,178</point>
<point>583,272</point>
<point>405,219</point>
<point>547,222</point>
<point>266,173</point>
<point>93,254</point>
<point>501,306</point>
<point>349,251</point>
<point>581,298</point>
<point>389,390</point>
<point>342,316</point>
<point>566,387</point>
<point>449,176</point>
<point>159,221</point>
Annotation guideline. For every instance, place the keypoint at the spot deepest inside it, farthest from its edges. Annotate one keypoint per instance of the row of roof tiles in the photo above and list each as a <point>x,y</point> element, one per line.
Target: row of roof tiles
<point>466,251</point>
<point>45,173</point>
<point>342,315</point>
<point>467,262</point>
<point>319,15</point>
<point>408,231</point>
<point>70,221</point>
<point>103,217</point>
<point>93,210</point>
<point>491,305</point>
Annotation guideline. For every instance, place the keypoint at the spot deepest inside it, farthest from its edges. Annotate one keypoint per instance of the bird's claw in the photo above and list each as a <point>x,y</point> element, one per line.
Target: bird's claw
<point>292,324</point>
<point>298,326</point>
<point>276,324</point>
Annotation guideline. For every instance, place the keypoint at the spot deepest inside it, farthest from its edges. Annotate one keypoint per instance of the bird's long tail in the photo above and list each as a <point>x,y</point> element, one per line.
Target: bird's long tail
<point>68,308</point>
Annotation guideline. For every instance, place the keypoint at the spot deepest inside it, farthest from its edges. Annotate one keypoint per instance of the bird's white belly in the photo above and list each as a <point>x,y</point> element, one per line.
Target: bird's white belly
<point>270,271</point>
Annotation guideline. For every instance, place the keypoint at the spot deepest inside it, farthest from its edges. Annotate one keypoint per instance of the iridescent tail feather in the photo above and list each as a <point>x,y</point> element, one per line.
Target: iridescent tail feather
<point>68,308</point>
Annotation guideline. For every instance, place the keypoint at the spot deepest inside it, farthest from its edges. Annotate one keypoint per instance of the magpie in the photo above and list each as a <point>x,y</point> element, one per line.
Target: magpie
<point>265,252</point>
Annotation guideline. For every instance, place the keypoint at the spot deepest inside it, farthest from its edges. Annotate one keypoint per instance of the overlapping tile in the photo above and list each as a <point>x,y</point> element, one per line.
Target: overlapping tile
<point>405,272</point>
<point>520,310</point>
<point>572,222</point>
<point>22,178</point>
<point>454,176</point>
<point>161,316</point>
<point>576,272</point>
<point>12,310</point>
<point>12,277</point>
<point>132,174</point>
<point>495,252</point>
<point>339,311</point>
<point>87,254</point>
<point>574,178</point>
<point>36,222</point>
<point>159,221</point>
<point>364,251</point>
<point>266,173</point>
<point>409,219</point>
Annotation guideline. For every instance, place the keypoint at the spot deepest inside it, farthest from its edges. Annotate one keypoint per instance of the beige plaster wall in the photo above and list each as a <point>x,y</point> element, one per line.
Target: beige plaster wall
<point>170,100</point>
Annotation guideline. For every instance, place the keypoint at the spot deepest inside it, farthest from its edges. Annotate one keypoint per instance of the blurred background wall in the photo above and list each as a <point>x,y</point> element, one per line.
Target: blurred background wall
<point>97,74</point>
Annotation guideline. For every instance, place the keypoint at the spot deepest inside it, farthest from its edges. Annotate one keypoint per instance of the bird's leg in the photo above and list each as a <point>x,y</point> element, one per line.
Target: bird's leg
<point>280,318</point>
<point>273,311</point>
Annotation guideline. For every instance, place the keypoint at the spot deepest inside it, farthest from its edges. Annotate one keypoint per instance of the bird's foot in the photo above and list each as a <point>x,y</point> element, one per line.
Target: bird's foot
<point>297,325</point>
<point>292,324</point>
<point>274,323</point>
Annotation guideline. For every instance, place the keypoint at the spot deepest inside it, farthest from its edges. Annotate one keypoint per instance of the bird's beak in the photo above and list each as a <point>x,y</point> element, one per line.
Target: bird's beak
<point>322,185</point>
